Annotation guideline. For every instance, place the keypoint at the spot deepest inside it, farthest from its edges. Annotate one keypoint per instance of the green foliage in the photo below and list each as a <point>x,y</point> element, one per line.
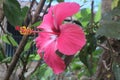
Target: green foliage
<point>36,24</point>
<point>84,16</point>
<point>87,53</point>
<point>84,58</point>
<point>1,56</point>
<point>35,57</point>
<point>42,73</point>
<point>9,40</point>
<point>76,63</point>
<point>98,14</point>
<point>28,45</point>
<point>15,15</point>
<point>7,60</point>
<point>115,3</point>
<point>60,0</point>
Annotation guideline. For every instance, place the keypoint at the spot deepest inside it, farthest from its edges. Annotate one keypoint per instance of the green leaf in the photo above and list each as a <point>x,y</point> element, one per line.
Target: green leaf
<point>91,43</point>
<point>84,16</point>
<point>28,45</point>
<point>84,58</point>
<point>36,24</point>
<point>60,0</point>
<point>87,51</point>
<point>34,57</point>
<point>12,11</point>
<point>49,70</point>
<point>7,60</point>
<point>15,15</point>
<point>37,57</point>
<point>9,40</point>
<point>109,29</point>
<point>76,66</point>
<point>24,11</point>
<point>42,73</point>
<point>98,14</point>
<point>85,12</point>
<point>78,15</point>
<point>1,56</point>
<point>114,3</point>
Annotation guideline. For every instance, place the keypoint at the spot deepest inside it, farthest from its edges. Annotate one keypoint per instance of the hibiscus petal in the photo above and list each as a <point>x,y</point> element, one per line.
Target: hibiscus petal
<point>47,23</point>
<point>53,60</point>
<point>46,43</point>
<point>71,39</point>
<point>63,10</point>
<point>42,41</point>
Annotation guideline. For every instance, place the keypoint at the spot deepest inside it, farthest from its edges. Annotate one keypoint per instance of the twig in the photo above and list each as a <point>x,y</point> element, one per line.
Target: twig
<point>104,47</point>
<point>74,21</point>
<point>111,51</point>
<point>92,12</point>
<point>3,53</point>
<point>91,32</point>
<point>38,64</point>
<point>2,29</point>
<point>0,43</point>
<point>68,59</point>
<point>38,10</point>
<point>2,50</point>
<point>21,76</point>
<point>28,17</point>
<point>36,67</point>
<point>105,65</point>
<point>110,46</point>
<point>45,10</point>
<point>91,24</point>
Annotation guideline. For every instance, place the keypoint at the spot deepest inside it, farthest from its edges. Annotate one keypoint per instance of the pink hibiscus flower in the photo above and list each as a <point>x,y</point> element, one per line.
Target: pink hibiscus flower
<point>67,38</point>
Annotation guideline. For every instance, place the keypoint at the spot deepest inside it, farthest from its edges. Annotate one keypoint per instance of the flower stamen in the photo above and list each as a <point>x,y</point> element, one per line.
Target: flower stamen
<point>25,30</point>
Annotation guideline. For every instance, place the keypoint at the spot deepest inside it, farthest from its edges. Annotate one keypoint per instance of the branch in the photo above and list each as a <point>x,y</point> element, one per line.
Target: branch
<point>16,57</point>
<point>104,47</point>
<point>28,17</point>
<point>45,10</point>
<point>36,67</point>
<point>105,65</point>
<point>38,10</point>
<point>92,12</point>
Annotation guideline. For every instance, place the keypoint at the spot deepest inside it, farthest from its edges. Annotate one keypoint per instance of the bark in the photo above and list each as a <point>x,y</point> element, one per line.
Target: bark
<point>16,57</point>
<point>1,11</point>
<point>106,6</point>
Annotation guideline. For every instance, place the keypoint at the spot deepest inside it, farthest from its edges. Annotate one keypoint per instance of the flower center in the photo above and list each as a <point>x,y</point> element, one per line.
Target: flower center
<point>56,31</point>
<point>53,37</point>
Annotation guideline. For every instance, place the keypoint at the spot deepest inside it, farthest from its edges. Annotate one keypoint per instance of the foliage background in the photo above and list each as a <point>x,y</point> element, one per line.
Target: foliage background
<point>98,60</point>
